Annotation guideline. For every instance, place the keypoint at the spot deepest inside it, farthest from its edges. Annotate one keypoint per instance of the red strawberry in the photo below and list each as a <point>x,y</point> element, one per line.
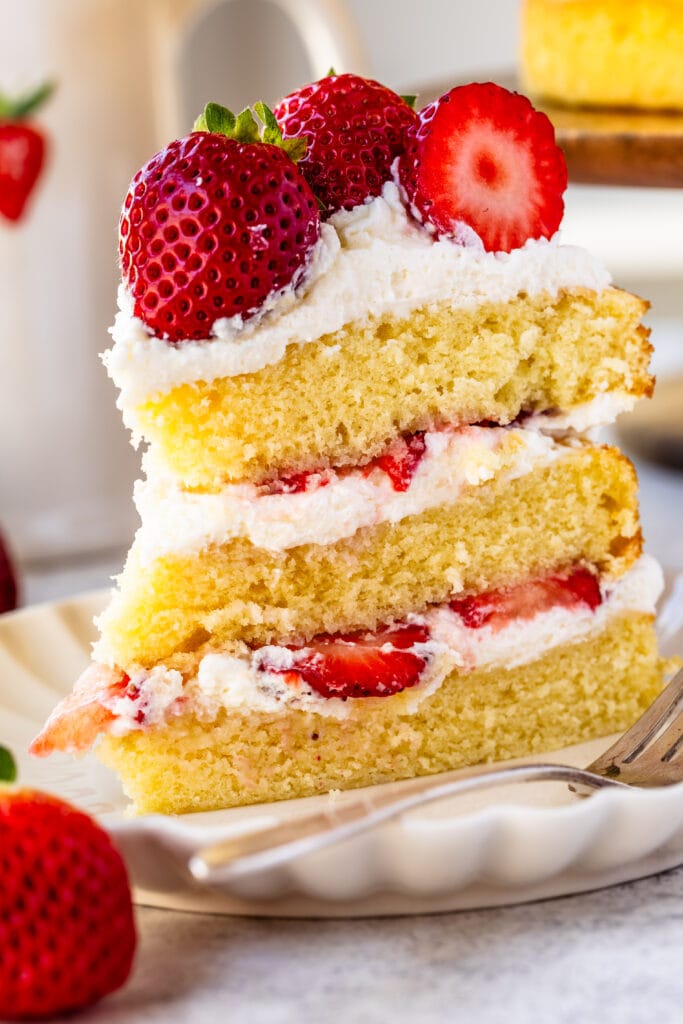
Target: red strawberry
<point>22,151</point>
<point>400,460</point>
<point>8,582</point>
<point>496,608</point>
<point>360,664</point>
<point>67,931</point>
<point>354,128</point>
<point>483,157</point>
<point>215,224</point>
<point>296,483</point>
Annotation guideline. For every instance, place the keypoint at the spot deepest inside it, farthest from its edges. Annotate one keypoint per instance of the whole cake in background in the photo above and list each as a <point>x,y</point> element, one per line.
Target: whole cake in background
<point>618,53</point>
<point>376,539</point>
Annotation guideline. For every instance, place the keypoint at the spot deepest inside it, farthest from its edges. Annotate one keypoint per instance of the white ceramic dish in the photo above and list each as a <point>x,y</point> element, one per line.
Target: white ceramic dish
<point>505,846</point>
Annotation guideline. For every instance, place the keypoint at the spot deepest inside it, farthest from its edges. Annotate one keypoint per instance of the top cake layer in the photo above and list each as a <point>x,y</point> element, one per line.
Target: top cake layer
<point>370,261</point>
<point>395,331</point>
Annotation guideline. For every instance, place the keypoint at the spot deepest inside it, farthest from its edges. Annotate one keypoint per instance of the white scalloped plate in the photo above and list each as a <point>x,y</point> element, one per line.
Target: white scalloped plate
<point>505,846</point>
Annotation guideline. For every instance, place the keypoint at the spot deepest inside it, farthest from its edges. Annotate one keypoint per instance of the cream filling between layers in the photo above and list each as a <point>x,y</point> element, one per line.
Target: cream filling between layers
<point>176,521</point>
<point>369,261</point>
<point>242,684</point>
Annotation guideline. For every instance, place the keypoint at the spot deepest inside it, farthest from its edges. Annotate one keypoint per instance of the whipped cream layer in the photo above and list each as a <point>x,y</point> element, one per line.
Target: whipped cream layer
<point>244,684</point>
<point>336,504</point>
<point>369,261</point>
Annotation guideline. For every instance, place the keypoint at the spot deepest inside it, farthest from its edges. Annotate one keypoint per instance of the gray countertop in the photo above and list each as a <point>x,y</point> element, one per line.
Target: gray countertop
<point>609,956</point>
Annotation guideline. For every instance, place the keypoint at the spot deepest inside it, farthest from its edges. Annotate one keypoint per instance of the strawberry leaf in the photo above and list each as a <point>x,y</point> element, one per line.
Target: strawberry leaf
<point>218,119</point>
<point>8,768</point>
<point>245,128</point>
<point>271,129</point>
<point>21,107</point>
<point>294,148</point>
<point>410,100</point>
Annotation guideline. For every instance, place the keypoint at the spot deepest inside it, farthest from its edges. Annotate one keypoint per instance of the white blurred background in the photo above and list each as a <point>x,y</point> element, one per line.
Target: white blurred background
<point>131,74</point>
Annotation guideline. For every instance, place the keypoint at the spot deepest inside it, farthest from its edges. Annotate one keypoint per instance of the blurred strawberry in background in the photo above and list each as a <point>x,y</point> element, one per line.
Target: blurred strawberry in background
<point>8,581</point>
<point>22,150</point>
<point>22,156</point>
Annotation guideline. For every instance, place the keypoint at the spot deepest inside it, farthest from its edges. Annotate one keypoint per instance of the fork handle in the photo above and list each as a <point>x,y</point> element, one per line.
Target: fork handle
<point>279,843</point>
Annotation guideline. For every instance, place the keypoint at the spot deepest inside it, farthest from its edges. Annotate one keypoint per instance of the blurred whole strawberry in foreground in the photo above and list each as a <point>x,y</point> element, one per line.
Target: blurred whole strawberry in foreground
<point>8,582</point>
<point>67,930</point>
<point>22,150</point>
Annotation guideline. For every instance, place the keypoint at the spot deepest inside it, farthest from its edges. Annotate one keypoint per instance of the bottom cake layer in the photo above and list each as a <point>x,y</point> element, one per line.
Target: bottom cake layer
<point>572,693</point>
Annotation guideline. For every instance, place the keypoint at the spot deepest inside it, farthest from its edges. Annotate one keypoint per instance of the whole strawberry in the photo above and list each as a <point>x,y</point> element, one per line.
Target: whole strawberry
<point>67,931</point>
<point>481,157</point>
<point>355,128</point>
<point>8,581</point>
<point>216,224</point>
<point>22,151</point>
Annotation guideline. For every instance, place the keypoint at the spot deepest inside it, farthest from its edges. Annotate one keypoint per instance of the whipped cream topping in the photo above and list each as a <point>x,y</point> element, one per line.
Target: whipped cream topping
<point>338,503</point>
<point>254,682</point>
<point>368,261</point>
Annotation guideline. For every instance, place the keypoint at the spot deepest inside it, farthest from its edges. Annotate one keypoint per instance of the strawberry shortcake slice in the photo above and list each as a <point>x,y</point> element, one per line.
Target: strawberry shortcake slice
<point>378,538</point>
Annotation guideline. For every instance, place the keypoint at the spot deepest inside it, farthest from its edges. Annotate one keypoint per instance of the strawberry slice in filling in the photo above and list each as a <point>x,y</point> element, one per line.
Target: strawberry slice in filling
<point>497,608</point>
<point>399,461</point>
<point>358,664</point>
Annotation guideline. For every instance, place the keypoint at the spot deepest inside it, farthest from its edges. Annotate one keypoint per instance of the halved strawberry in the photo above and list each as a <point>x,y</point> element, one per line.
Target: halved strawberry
<point>496,608</point>
<point>360,664</point>
<point>400,460</point>
<point>483,157</point>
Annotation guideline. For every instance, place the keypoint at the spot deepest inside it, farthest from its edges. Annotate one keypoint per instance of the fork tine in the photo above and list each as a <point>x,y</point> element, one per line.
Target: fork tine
<point>666,746</point>
<point>629,746</point>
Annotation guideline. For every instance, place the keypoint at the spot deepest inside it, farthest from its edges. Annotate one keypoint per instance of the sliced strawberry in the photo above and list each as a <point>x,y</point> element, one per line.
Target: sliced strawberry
<point>484,158</point>
<point>78,720</point>
<point>400,460</point>
<point>496,608</point>
<point>296,483</point>
<point>360,664</point>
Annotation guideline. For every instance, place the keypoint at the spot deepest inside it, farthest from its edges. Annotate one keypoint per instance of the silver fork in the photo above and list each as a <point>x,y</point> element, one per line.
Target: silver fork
<point>646,755</point>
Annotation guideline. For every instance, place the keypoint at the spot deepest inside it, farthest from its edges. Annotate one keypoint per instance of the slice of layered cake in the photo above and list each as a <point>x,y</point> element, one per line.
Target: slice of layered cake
<point>377,540</point>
